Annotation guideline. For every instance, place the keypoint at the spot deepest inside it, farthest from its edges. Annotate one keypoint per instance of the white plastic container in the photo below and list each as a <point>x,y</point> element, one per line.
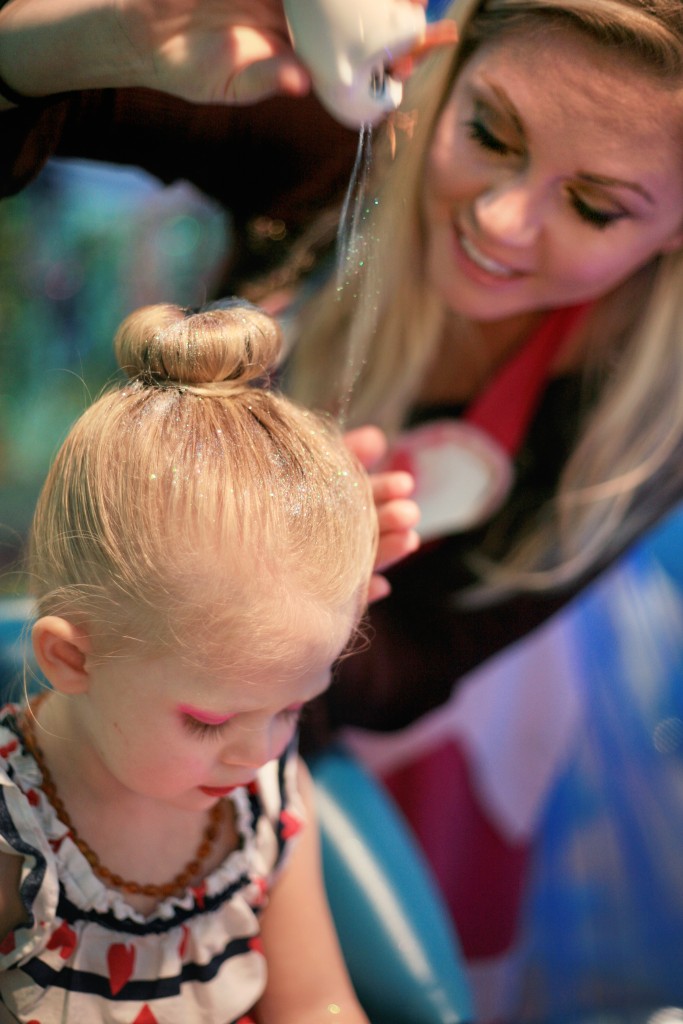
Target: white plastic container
<point>347,47</point>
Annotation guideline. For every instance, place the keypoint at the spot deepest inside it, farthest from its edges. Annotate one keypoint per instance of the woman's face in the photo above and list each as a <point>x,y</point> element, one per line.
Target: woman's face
<point>554,173</point>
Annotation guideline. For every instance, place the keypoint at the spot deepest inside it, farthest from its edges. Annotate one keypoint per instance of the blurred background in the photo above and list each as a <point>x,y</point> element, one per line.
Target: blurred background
<point>80,248</point>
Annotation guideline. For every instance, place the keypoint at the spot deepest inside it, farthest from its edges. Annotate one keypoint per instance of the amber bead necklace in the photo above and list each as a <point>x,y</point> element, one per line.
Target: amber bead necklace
<point>173,888</point>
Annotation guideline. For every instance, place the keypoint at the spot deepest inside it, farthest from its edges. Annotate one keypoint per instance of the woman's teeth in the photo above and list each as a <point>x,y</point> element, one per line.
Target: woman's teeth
<point>492,266</point>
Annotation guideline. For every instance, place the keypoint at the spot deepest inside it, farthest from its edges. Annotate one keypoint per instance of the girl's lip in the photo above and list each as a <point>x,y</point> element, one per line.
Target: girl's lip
<point>217,790</point>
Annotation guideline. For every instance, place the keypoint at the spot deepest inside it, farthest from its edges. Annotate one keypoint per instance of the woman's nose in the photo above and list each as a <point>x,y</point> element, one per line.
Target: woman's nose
<point>509,213</point>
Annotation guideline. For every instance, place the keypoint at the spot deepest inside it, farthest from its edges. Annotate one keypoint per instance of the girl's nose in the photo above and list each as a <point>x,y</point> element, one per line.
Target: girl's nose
<point>509,213</point>
<point>250,746</point>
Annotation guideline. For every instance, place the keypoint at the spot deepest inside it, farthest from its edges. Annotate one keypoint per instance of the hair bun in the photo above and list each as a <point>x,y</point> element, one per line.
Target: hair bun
<point>230,340</point>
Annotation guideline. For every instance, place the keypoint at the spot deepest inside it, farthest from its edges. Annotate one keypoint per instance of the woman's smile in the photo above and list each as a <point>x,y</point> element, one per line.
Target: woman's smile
<point>536,198</point>
<point>493,267</point>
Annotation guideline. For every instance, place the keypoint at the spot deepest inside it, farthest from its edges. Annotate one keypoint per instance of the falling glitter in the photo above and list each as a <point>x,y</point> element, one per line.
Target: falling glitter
<point>351,259</point>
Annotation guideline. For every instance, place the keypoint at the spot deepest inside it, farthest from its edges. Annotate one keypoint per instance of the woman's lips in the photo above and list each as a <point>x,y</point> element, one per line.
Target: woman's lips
<point>480,264</point>
<point>217,790</point>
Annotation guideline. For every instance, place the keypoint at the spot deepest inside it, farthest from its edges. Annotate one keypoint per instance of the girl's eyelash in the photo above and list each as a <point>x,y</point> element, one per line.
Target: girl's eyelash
<point>206,729</point>
<point>198,728</point>
<point>292,714</point>
<point>598,218</point>
<point>478,131</point>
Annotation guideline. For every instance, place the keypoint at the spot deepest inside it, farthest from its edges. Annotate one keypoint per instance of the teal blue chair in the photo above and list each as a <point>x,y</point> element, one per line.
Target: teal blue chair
<point>398,942</point>
<point>13,645</point>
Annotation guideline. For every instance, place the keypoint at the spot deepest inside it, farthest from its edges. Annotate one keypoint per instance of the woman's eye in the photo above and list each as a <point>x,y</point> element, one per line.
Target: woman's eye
<point>478,131</point>
<point>598,218</point>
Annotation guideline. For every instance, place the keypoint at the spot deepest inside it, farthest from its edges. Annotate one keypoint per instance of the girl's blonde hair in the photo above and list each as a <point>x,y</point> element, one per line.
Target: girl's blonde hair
<point>628,460</point>
<point>187,499</point>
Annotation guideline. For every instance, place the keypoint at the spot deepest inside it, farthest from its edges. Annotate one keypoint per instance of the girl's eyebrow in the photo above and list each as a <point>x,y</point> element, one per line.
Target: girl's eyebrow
<point>208,717</point>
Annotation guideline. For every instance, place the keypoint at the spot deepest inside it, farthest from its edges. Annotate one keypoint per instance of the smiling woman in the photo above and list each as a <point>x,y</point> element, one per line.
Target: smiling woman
<point>504,202</point>
<point>518,302</point>
<point>537,199</point>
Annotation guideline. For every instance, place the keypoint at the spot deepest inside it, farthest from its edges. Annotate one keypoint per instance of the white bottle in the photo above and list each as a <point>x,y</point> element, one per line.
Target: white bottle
<point>347,46</point>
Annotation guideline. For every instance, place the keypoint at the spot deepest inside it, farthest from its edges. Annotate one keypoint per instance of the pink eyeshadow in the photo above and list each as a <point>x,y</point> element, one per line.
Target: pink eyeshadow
<point>208,717</point>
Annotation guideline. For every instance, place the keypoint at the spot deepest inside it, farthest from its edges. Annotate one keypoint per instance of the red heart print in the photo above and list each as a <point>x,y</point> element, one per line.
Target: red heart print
<point>145,1016</point>
<point>290,824</point>
<point>63,939</point>
<point>121,961</point>
<point>199,893</point>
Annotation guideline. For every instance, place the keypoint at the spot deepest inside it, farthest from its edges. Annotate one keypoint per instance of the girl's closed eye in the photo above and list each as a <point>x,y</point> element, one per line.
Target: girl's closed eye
<point>203,723</point>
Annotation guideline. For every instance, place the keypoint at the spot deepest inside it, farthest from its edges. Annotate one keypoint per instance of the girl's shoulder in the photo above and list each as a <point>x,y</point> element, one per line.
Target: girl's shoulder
<point>270,812</point>
<point>28,876</point>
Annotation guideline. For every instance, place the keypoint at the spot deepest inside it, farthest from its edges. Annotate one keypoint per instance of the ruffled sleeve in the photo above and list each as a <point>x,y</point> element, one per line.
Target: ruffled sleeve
<point>22,835</point>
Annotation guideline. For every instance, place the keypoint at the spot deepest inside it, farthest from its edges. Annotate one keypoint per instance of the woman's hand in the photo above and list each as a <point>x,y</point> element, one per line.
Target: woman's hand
<point>397,514</point>
<point>216,51</point>
<point>205,51</point>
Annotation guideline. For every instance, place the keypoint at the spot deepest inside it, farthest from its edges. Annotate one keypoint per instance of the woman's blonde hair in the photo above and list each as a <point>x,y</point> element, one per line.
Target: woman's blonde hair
<point>628,460</point>
<point>190,497</point>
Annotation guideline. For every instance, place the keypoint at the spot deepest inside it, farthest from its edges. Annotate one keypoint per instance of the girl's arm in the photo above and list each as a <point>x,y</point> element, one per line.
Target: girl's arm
<point>307,978</point>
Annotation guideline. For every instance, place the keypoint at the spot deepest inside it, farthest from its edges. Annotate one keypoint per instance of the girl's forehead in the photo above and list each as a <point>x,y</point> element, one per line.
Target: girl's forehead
<point>280,638</point>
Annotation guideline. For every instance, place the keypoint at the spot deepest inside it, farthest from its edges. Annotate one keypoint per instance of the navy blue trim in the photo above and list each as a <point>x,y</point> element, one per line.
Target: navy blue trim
<point>290,752</point>
<point>70,980</point>
<point>72,914</point>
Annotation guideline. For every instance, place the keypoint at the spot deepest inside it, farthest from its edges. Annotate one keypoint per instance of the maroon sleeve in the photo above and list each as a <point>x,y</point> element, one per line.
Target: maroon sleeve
<point>280,158</point>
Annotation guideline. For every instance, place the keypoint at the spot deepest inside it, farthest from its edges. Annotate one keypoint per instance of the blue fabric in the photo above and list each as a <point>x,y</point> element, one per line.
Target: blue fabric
<point>604,916</point>
<point>436,9</point>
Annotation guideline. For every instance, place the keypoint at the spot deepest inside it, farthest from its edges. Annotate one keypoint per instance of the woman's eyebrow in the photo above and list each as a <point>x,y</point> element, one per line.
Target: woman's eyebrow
<point>591,179</point>
<point>599,179</point>
<point>506,103</point>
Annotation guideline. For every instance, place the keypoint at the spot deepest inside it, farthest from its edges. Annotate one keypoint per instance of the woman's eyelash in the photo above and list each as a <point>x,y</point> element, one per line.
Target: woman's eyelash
<point>478,131</point>
<point>599,218</point>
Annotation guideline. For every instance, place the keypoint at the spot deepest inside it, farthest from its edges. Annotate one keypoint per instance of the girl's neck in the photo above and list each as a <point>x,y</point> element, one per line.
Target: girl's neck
<point>139,838</point>
<point>71,754</point>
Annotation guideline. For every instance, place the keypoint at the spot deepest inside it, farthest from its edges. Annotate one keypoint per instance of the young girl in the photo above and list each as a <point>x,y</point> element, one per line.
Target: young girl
<point>200,555</point>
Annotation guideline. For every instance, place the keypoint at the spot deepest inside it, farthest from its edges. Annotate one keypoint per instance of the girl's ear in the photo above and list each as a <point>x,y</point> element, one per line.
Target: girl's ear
<point>61,650</point>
